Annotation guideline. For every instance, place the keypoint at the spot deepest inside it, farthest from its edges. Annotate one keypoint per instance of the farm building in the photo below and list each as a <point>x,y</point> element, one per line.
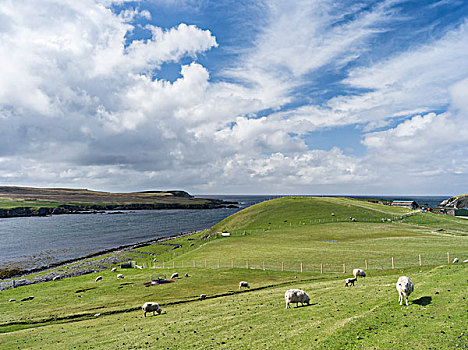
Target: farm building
<point>458,212</point>
<point>405,204</point>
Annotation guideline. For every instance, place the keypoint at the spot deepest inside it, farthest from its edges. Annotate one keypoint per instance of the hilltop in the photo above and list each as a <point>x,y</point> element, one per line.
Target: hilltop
<point>30,201</point>
<point>460,201</point>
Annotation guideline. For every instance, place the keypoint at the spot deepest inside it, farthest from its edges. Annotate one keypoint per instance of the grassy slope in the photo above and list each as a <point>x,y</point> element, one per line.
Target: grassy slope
<point>257,319</point>
<point>240,320</point>
<point>291,210</point>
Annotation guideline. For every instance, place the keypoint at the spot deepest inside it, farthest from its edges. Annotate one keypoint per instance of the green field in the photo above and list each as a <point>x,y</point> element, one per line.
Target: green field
<point>279,234</point>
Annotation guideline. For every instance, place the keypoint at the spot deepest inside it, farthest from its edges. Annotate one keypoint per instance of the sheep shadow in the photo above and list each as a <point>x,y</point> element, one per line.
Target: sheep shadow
<point>306,305</point>
<point>423,301</point>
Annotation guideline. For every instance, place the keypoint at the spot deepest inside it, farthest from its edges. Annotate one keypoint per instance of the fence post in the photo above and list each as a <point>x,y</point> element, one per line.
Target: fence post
<point>321,268</point>
<point>246,264</point>
<point>218,263</point>
<point>301,266</point>
<point>194,264</point>
<point>448,258</point>
<point>264,266</point>
<point>232,263</point>
<point>420,262</point>
<point>344,268</point>
<point>282,266</point>
<point>366,264</point>
<point>393,265</point>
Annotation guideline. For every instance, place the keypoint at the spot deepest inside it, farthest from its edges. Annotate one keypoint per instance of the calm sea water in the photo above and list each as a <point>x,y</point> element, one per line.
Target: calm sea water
<point>37,241</point>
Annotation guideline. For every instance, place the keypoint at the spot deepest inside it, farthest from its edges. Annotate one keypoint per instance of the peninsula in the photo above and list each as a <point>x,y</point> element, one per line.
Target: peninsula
<point>30,201</point>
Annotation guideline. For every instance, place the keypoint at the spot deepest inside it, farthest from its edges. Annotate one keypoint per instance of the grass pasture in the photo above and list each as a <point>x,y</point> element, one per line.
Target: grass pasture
<point>287,230</point>
<point>366,316</point>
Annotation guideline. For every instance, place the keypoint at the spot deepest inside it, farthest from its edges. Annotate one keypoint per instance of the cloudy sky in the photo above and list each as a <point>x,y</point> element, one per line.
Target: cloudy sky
<point>235,96</point>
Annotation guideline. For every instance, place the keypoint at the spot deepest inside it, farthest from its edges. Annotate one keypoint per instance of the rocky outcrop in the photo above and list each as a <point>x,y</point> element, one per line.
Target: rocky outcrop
<point>460,201</point>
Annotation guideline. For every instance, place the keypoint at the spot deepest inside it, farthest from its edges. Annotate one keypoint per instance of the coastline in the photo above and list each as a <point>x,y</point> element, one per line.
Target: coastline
<point>95,266</point>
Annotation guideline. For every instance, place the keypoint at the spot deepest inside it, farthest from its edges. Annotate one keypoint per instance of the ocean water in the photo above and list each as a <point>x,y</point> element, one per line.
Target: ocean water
<point>32,242</point>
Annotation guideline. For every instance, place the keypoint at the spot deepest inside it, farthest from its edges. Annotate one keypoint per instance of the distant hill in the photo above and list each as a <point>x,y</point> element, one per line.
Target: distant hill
<point>30,201</point>
<point>286,210</point>
<point>460,201</point>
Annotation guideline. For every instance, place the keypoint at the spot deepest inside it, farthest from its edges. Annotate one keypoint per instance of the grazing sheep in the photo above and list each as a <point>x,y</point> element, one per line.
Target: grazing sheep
<point>202,296</point>
<point>175,275</point>
<point>296,296</point>
<point>56,278</point>
<point>465,261</point>
<point>455,260</point>
<point>404,287</point>
<point>155,260</point>
<point>120,275</point>
<point>243,284</point>
<point>151,307</point>
<point>350,281</point>
<point>358,272</point>
<point>98,278</point>
<point>11,300</point>
<point>187,275</point>
<point>113,269</point>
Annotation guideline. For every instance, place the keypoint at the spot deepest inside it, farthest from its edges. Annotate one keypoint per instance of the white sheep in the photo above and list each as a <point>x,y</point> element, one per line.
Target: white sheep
<point>187,275</point>
<point>56,278</point>
<point>175,275</point>
<point>359,272</point>
<point>151,307</point>
<point>120,275</point>
<point>455,260</point>
<point>243,284</point>
<point>98,278</point>
<point>404,287</point>
<point>350,281</point>
<point>113,269</point>
<point>296,296</point>
<point>202,296</point>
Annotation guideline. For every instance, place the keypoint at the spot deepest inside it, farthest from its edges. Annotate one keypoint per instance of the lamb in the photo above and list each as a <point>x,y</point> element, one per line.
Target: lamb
<point>455,260</point>
<point>98,278</point>
<point>175,275</point>
<point>404,287</point>
<point>359,272</point>
<point>243,284</point>
<point>296,296</point>
<point>113,269</point>
<point>151,307</point>
<point>187,275</point>
<point>202,296</point>
<point>350,281</point>
<point>120,275</point>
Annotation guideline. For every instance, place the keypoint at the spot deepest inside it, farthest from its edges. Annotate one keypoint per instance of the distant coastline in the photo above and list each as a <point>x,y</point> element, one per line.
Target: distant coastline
<point>29,201</point>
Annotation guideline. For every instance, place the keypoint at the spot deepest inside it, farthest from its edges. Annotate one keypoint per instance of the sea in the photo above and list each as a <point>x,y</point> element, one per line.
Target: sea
<point>33,242</point>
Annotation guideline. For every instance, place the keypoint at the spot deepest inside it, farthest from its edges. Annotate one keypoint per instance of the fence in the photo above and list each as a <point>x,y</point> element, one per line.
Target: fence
<point>303,266</point>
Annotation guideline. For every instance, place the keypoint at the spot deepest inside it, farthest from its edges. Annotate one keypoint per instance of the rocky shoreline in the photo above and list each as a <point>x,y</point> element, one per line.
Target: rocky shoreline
<point>96,208</point>
<point>79,266</point>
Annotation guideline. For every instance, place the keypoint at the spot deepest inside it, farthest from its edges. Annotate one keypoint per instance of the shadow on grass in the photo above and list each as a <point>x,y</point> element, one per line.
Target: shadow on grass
<point>306,305</point>
<point>423,301</point>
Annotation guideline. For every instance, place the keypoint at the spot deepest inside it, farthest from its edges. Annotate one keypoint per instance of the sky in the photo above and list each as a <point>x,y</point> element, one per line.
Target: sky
<point>235,97</point>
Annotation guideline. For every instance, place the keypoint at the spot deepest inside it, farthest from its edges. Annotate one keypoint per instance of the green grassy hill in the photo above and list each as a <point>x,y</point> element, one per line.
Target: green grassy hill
<point>288,211</point>
<point>279,234</point>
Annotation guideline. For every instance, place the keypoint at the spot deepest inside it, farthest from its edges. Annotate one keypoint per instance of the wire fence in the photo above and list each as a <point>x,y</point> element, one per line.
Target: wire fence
<point>299,266</point>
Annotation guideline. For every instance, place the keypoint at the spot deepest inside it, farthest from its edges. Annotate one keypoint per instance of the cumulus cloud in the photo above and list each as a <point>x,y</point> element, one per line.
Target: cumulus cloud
<point>82,105</point>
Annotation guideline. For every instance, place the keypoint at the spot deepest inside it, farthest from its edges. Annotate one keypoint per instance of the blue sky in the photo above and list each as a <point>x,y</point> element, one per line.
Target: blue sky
<point>264,97</point>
